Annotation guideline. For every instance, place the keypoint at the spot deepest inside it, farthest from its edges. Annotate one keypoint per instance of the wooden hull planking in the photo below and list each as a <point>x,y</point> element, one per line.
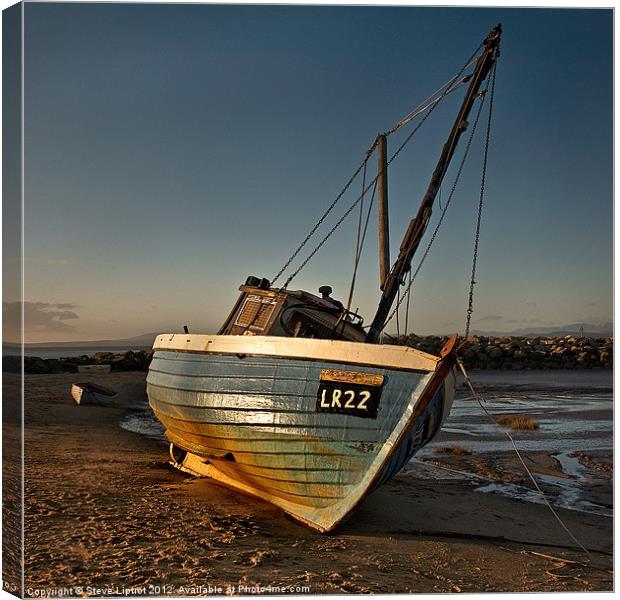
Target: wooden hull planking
<point>246,414</point>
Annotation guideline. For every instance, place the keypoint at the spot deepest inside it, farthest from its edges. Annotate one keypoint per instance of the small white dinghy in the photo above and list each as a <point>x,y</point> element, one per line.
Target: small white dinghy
<point>91,393</point>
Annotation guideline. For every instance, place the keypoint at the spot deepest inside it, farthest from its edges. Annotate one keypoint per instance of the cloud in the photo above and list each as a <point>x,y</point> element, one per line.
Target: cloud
<point>56,262</point>
<point>448,324</point>
<point>512,321</point>
<point>39,317</point>
<point>530,304</point>
<point>490,318</point>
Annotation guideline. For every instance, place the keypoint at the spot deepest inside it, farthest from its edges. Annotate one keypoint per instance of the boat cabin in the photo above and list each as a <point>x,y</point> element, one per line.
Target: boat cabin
<point>262,310</point>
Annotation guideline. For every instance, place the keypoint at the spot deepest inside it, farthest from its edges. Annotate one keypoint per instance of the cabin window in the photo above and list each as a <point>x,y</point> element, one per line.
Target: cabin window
<point>301,325</point>
<point>255,312</point>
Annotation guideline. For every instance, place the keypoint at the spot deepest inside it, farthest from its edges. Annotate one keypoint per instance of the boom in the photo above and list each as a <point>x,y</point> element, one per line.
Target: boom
<point>418,224</point>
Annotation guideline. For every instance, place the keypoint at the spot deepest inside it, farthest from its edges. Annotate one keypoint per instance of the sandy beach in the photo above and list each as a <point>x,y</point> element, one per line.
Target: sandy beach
<point>105,515</point>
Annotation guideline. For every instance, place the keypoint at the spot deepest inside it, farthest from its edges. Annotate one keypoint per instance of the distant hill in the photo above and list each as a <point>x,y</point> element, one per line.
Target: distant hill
<point>146,340</point>
<point>574,329</point>
<point>141,341</point>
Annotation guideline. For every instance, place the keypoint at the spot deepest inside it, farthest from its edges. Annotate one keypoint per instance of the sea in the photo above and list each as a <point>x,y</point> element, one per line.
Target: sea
<point>574,411</point>
<point>56,352</point>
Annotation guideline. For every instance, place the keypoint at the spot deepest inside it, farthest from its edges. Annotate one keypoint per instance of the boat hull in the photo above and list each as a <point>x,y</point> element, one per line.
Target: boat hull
<point>248,413</point>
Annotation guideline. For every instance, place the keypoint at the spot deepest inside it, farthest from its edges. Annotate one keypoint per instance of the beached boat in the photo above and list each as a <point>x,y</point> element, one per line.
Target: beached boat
<point>91,393</point>
<point>294,400</point>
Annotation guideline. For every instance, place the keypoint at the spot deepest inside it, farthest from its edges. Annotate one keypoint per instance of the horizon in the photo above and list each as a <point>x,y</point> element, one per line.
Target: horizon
<point>567,329</point>
<point>173,150</point>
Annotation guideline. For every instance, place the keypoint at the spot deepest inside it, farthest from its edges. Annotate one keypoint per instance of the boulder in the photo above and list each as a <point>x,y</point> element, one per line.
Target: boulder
<point>495,353</point>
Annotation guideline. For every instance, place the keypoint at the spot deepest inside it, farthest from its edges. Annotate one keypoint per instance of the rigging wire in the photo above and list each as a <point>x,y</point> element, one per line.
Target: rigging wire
<point>320,221</point>
<point>470,307</point>
<point>358,239</point>
<point>346,214</point>
<point>407,305</point>
<point>445,208</point>
<point>432,99</point>
<point>397,319</point>
<point>475,394</point>
<point>360,246</point>
<point>429,109</point>
<point>359,221</point>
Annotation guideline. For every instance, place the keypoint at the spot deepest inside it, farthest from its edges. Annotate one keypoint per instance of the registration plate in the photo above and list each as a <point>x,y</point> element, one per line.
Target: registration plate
<point>349,393</point>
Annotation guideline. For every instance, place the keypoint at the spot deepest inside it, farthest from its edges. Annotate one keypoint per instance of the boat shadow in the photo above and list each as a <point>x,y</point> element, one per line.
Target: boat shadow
<point>409,509</point>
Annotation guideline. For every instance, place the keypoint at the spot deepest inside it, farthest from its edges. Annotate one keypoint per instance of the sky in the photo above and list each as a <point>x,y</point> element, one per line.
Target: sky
<point>173,150</point>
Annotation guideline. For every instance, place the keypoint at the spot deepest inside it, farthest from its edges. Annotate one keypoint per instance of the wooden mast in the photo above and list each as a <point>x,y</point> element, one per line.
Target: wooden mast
<point>418,224</point>
<point>384,225</point>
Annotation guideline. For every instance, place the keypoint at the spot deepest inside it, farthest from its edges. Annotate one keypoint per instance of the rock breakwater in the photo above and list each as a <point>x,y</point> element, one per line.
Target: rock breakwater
<point>520,353</point>
<point>509,353</point>
<point>125,361</point>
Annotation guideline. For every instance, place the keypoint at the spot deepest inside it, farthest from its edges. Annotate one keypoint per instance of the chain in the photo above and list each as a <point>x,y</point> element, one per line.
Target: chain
<point>470,307</point>
<point>443,212</point>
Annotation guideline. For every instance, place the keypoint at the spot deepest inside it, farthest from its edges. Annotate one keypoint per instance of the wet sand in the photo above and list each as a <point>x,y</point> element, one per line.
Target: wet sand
<point>106,516</point>
<point>571,450</point>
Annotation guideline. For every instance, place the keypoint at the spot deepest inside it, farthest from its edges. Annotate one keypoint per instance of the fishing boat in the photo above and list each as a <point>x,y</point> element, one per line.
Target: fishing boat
<point>295,401</point>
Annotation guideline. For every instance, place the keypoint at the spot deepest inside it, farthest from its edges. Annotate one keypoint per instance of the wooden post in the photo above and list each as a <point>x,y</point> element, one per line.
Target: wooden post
<point>384,224</point>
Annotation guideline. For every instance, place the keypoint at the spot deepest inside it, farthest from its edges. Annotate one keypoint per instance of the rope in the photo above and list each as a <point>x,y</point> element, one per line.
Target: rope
<point>480,401</point>
<point>430,108</point>
<point>444,210</point>
<point>470,307</point>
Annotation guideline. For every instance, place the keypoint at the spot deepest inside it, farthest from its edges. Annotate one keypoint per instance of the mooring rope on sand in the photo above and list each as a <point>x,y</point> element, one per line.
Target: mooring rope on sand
<point>480,401</point>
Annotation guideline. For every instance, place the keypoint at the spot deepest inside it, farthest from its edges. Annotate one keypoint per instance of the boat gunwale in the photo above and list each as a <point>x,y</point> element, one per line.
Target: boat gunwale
<point>333,351</point>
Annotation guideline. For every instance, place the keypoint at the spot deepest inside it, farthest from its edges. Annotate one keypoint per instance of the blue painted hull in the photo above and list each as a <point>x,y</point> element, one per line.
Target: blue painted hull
<point>252,422</point>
